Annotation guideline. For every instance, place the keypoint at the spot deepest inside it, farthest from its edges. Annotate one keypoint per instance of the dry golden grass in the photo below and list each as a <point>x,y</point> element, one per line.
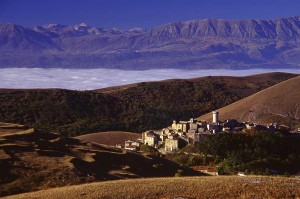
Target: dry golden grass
<point>8,128</point>
<point>274,103</point>
<point>37,160</point>
<point>10,125</point>
<point>113,89</point>
<point>185,187</point>
<point>110,138</point>
<point>4,155</point>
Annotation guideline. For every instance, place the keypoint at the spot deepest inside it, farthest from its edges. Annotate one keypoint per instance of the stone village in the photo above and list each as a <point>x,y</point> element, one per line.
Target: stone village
<point>182,133</point>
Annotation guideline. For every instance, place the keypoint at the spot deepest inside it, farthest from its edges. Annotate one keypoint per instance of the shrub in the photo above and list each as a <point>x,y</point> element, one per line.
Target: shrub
<point>179,173</point>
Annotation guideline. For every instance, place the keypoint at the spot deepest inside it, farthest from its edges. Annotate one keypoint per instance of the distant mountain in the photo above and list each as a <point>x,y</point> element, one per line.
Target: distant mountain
<point>203,43</point>
<point>279,103</point>
<point>14,38</point>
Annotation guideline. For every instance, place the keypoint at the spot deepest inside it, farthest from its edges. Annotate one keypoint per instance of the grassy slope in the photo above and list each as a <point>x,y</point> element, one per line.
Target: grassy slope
<point>33,160</point>
<point>110,138</point>
<point>247,83</point>
<point>133,108</point>
<point>186,187</point>
<point>279,103</point>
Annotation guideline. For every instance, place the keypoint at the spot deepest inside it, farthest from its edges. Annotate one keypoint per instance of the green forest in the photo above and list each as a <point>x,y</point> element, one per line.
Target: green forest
<point>253,153</point>
<point>145,106</point>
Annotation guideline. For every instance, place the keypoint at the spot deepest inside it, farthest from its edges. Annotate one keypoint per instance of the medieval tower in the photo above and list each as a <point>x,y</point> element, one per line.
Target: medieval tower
<point>215,117</point>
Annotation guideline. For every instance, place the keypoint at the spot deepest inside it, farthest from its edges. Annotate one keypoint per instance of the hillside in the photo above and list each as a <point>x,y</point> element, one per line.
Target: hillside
<point>194,44</point>
<point>134,108</point>
<point>279,103</point>
<point>184,187</point>
<point>110,138</point>
<point>32,159</point>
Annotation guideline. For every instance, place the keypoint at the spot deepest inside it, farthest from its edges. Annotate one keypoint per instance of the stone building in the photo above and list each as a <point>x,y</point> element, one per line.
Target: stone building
<point>171,144</point>
<point>131,145</point>
<point>193,126</point>
<point>193,137</point>
<point>215,117</point>
<point>150,138</point>
<point>180,127</point>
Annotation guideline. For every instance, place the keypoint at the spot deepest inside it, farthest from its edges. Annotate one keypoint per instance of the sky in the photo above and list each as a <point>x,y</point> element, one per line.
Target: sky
<point>126,14</point>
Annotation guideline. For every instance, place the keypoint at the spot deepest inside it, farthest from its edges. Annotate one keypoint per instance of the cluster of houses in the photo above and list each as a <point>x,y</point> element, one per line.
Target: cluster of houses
<point>182,133</point>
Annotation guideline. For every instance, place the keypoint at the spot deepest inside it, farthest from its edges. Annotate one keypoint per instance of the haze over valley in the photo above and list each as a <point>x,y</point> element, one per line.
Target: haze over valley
<point>82,79</point>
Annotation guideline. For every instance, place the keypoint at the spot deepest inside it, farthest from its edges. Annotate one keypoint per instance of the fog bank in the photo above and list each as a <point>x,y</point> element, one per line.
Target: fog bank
<point>88,79</point>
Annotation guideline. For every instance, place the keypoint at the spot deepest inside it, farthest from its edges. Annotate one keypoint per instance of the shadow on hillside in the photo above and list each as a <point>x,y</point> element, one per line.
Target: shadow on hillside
<point>129,162</point>
<point>5,175</point>
<point>50,153</point>
<point>35,159</point>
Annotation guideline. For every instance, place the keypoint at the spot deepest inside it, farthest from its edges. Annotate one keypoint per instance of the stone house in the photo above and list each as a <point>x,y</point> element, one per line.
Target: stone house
<point>181,126</point>
<point>171,144</point>
<point>150,138</point>
<point>193,137</point>
<point>131,145</point>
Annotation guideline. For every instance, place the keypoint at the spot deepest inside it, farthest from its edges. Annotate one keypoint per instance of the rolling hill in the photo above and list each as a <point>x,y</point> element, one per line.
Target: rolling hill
<point>110,138</point>
<point>279,103</point>
<point>133,108</point>
<point>184,187</point>
<point>32,159</point>
<point>194,44</point>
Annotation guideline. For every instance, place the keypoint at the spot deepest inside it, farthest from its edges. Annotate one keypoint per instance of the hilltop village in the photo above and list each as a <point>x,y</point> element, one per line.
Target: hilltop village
<point>182,133</point>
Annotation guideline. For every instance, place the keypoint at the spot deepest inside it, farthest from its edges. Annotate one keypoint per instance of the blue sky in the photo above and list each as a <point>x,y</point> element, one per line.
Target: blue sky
<point>139,13</point>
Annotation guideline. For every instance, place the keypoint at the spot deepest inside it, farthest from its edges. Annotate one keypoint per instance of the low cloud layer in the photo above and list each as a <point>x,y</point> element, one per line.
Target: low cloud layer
<point>88,79</point>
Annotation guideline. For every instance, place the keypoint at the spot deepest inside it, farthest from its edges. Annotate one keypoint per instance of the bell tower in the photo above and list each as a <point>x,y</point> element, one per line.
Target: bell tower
<point>215,117</point>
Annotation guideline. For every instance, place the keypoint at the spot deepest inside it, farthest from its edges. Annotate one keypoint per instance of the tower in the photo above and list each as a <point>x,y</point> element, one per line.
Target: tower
<point>215,116</point>
<point>174,125</point>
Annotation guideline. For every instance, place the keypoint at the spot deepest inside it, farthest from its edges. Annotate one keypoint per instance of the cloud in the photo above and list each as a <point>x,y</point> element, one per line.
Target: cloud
<point>88,79</point>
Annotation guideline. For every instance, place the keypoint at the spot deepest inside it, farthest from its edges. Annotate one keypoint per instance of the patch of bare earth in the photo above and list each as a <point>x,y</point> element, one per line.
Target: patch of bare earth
<point>110,138</point>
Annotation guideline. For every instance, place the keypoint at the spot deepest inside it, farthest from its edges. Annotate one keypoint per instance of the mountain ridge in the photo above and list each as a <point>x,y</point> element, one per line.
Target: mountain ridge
<point>200,43</point>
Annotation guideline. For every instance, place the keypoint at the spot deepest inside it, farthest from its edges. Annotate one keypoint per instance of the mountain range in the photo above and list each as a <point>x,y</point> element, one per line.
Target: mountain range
<point>195,44</point>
